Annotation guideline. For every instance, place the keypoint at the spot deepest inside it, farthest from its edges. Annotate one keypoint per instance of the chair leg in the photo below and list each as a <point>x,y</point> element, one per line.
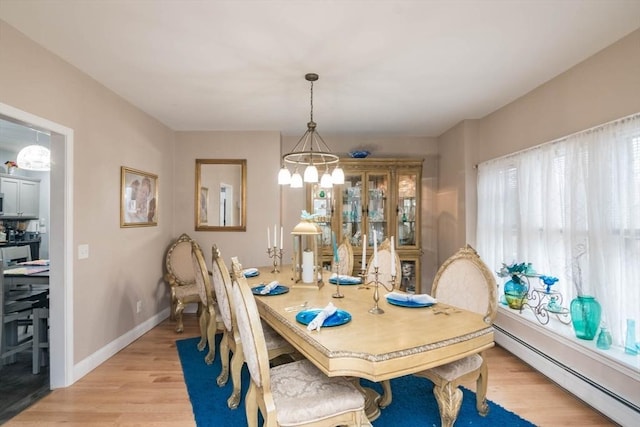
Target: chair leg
<point>203,320</point>
<point>251,405</point>
<point>449,398</point>
<point>236,370</point>
<point>178,316</point>
<point>40,339</point>
<point>211,337</point>
<point>481,390</point>
<point>224,359</point>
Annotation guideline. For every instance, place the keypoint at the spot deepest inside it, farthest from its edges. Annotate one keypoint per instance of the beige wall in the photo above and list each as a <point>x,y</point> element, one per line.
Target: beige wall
<point>124,264</point>
<point>604,87</point>
<point>262,152</point>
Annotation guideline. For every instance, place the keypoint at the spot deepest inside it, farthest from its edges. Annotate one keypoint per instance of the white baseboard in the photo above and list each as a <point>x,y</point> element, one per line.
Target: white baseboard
<point>609,388</point>
<point>88,364</point>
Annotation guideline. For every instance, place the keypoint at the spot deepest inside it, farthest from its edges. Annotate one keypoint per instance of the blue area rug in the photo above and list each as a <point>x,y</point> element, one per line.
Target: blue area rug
<point>413,401</point>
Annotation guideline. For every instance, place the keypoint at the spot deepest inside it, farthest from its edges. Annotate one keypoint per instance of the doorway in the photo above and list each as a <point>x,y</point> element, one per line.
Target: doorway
<point>60,242</point>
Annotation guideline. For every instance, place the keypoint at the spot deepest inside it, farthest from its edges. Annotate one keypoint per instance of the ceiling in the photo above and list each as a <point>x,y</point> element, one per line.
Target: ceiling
<point>386,67</point>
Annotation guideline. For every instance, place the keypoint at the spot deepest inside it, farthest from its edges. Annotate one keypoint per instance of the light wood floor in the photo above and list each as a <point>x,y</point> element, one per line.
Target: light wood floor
<point>143,385</point>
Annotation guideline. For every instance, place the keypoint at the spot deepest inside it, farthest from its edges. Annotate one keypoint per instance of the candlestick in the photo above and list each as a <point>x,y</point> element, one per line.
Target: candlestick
<point>281,237</point>
<point>268,238</point>
<point>364,252</point>
<point>335,247</point>
<point>275,237</point>
<point>375,250</point>
<point>337,294</point>
<point>393,256</point>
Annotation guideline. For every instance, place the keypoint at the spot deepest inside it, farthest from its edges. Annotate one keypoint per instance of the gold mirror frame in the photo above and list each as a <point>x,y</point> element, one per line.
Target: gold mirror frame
<point>214,179</point>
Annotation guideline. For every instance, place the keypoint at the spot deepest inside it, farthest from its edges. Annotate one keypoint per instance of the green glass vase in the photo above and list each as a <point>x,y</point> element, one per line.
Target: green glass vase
<point>585,316</point>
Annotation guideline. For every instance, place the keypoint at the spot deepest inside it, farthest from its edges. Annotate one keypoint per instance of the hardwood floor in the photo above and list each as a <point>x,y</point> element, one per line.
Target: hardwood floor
<point>143,385</point>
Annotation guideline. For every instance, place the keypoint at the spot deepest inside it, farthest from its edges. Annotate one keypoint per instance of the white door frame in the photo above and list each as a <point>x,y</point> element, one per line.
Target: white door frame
<point>60,245</point>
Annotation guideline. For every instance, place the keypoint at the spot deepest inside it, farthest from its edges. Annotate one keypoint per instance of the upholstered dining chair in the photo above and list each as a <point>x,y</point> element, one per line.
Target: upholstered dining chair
<point>181,279</point>
<point>384,265</point>
<point>463,281</point>
<point>292,394</point>
<point>345,257</point>
<point>210,319</point>
<point>276,345</point>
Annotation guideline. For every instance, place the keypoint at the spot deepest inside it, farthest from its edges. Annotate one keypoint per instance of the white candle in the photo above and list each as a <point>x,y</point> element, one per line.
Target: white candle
<point>364,251</point>
<point>275,236</point>
<point>393,256</point>
<point>281,236</point>
<point>268,239</point>
<point>375,249</point>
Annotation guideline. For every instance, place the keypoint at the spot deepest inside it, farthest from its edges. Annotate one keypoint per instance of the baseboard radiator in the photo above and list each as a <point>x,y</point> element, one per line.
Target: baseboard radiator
<point>611,389</point>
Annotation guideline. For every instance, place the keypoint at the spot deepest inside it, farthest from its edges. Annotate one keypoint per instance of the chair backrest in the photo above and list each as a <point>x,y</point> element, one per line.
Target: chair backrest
<point>345,256</point>
<point>221,280</point>
<point>178,261</point>
<point>384,265</point>
<point>250,328</point>
<point>15,254</point>
<point>465,281</point>
<point>201,274</point>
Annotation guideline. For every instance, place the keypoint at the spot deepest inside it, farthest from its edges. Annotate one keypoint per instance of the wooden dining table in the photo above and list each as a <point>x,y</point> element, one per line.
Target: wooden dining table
<point>401,341</point>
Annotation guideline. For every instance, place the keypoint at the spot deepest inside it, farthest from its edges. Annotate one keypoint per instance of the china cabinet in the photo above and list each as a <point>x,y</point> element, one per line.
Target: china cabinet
<point>21,196</point>
<point>381,195</point>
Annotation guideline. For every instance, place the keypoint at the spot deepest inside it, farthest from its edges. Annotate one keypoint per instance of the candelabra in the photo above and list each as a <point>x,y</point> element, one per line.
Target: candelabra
<point>376,296</point>
<point>363,279</point>
<point>276,254</point>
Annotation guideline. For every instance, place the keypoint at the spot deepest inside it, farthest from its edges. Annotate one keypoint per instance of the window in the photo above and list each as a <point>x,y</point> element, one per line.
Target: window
<point>546,204</point>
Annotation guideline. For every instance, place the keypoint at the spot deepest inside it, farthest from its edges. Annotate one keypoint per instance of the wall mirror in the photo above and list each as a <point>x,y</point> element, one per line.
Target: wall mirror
<point>221,191</point>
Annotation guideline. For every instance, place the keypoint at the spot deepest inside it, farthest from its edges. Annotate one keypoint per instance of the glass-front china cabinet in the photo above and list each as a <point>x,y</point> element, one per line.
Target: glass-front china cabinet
<point>378,194</point>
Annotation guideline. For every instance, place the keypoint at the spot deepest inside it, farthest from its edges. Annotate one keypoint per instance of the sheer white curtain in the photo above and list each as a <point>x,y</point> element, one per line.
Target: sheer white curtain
<point>546,204</point>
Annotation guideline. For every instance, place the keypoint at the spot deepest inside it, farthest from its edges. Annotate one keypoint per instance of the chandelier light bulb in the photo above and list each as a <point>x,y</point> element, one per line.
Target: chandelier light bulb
<point>326,181</point>
<point>311,174</point>
<point>284,176</point>
<point>296,180</point>
<point>337,176</point>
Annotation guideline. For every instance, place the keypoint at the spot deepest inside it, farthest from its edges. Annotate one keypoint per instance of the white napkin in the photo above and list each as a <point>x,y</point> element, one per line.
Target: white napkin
<point>317,321</point>
<point>344,278</point>
<point>249,271</point>
<point>417,298</point>
<point>268,288</point>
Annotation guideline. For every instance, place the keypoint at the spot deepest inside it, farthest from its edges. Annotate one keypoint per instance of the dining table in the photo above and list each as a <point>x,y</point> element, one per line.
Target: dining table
<point>403,340</point>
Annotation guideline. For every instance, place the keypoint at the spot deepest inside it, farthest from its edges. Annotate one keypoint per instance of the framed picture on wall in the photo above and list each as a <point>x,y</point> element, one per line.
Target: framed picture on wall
<point>204,205</point>
<point>138,198</point>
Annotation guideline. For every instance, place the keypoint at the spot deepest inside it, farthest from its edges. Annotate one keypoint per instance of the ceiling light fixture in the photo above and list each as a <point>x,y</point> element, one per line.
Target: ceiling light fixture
<point>311,152</point>
<point>34,157</point>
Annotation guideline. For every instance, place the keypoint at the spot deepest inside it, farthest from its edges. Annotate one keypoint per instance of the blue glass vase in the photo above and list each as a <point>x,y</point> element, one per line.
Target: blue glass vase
<point>515,294</point>
<point>585,316</point>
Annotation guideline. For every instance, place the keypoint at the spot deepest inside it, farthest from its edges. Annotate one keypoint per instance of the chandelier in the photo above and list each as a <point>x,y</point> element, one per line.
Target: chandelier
<point>310,153</point>
<point>34,157</point>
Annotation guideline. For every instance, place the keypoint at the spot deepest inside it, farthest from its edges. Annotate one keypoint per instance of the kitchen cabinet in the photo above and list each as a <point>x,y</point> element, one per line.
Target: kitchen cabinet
<point>21,197</point>
<point>378,194</point>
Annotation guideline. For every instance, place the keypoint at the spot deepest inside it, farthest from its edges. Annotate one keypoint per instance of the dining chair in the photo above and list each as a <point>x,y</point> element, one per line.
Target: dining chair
<point>12,312</point>
<point>276,345</point>
<point>210,319</point>
<point>292,394</point>
<point>466,282</point>
<point>181,279</point>
<point>14,254</point>
<point>345,257</point>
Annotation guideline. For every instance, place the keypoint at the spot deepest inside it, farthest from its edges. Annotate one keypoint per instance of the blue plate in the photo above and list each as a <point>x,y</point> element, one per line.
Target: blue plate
<point>359,154</point>
<point>278,290</point>
<point>251,272</point>
<point>340,317</point>
<point>410,304</point>
<point>346,281</point>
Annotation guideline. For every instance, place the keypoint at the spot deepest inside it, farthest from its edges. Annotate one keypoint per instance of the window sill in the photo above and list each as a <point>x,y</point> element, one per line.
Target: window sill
<point>615,355</point>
